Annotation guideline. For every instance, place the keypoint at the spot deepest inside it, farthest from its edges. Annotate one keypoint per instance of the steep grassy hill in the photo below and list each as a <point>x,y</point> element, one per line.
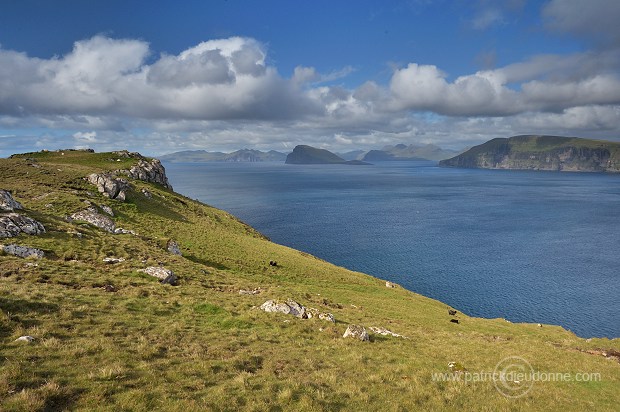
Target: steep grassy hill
<point>541,153</point>
<point>307,155</point>
<point>108,337</point>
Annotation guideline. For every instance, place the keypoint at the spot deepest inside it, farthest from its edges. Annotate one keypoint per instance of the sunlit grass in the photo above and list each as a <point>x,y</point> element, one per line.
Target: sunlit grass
<point>202,346</point>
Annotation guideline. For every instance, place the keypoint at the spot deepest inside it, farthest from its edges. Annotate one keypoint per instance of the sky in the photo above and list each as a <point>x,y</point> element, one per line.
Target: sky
<point>159,77</point>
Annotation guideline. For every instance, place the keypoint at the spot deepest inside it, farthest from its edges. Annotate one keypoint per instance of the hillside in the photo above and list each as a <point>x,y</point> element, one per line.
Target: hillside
<point>308,155</point>
<point>531,152</point>
<point>108,336</point>
<point>242,155</point>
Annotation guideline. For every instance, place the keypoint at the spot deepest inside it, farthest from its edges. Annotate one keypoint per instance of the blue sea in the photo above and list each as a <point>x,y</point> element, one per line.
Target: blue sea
<point>527,246</point>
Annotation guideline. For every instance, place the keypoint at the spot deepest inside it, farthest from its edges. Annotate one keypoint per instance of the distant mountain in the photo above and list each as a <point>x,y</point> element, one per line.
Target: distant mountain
<point>305,155</point>
<point>243,155</point>
<point>541,153</point>
<point>411,152</point>
<point>352,155</point>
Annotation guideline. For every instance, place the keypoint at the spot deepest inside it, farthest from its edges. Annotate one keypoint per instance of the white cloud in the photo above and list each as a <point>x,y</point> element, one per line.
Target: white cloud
<point>222,94</point>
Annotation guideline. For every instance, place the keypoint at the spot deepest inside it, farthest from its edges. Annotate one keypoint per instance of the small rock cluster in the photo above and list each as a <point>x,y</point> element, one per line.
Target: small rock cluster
<point>356,332</point>
<point>13,224</point>
<point>291,307</point>
<point>152,172</point>
<point>173,247</point>
<point>385,332</point>
<point>109,186</point>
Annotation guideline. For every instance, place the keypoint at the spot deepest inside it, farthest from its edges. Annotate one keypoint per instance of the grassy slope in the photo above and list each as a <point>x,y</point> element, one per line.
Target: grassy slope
<point>535,145</point>
<point>201,345</point>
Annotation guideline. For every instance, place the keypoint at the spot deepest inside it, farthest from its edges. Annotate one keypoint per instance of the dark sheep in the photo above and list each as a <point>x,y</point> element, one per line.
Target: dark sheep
<point>454,320</point>
<point>273,263</point>
<point>451,312</point>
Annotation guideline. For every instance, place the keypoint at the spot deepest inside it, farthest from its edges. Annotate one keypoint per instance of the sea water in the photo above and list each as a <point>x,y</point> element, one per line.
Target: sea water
<point>527,246</point>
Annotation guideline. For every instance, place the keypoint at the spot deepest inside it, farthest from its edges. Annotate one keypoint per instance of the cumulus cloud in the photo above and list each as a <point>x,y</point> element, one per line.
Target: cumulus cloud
<point>223,94</point>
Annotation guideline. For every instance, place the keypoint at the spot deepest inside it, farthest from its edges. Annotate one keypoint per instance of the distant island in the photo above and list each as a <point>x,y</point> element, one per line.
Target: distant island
<point>531,152</point>
<point>307,155</point>
<point>401,152</point>
<point>242,155</point>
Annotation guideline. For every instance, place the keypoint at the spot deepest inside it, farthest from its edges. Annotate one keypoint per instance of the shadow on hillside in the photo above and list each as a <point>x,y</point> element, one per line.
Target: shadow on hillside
<point>206,262</point>
<point>19,309</point>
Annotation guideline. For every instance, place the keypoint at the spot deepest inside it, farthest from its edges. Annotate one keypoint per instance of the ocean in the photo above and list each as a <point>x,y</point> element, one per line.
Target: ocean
<point>527,246</point>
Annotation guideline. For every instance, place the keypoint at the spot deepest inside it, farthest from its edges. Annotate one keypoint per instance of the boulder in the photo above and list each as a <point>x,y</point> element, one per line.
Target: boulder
<point>356,332</point>
<point>147,194</point>
<point>327,316</point>
<point>13,224</point>
<point>109,186</point>
<point>22,251</point>
<point>290,307</point>
<point>315,313</point>
<point>92,216</point>
<point>152,172</point>
<point>161,273</point>
<point>7,203</point>
<point>173,247</point>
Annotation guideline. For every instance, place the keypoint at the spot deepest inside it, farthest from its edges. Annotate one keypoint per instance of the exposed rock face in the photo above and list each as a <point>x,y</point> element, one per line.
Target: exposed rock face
<point>152,172</point>
<point>290,307</point>
<point>554,153</point>
<point>385,332</point>
<point>161,273</point>
<point>173,247</point>
<point>92,216</point>
<point>107,209</point>
<point>23,251</point>
<point>7,203</point>
<point>13,224</point>
<point>356,332</point>
<point>109,186</point>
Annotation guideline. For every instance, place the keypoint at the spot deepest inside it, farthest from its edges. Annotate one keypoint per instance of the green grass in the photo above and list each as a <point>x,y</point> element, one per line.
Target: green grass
<point>202,346</point>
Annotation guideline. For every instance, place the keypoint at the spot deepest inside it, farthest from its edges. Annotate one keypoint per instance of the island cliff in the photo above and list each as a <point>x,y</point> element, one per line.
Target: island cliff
<point>531,152</point>
<point>308,155</point>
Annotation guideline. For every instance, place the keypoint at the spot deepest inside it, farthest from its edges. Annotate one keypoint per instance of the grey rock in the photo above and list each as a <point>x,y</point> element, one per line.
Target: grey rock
<point>173,247</point>
<point>356,332</point>
<point>385,332</point>
<point>7,203</point>
<point>108,185</point>
<point>255,291</point>
<point>121,231</point>
<point>161,273</point>
<point>290,307</point>
<point>147,194</point>
<point>13,224</point>
<point>92,216</point>
<point>315,313</point>
<point>107,209</point>
<point>152,172</point>
<point>327,316</point>
<point>23,251</point>
<point>113,260</point>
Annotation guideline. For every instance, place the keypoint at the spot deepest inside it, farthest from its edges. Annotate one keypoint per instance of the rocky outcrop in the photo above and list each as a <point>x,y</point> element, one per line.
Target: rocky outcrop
<point>152,172</point>
<point>356,332</point>
<point>552,153</point>
<point>164,275</point>
<point>13,224</point>
<point>290,308</point>
<point>22,251</point>
<point>385,332</point>
<point>7,203</point>
<point>109,185</point>
<point>92,216</point>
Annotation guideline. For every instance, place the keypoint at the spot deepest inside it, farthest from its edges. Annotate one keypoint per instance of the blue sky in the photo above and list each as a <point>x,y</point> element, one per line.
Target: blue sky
<point>220,75</point>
